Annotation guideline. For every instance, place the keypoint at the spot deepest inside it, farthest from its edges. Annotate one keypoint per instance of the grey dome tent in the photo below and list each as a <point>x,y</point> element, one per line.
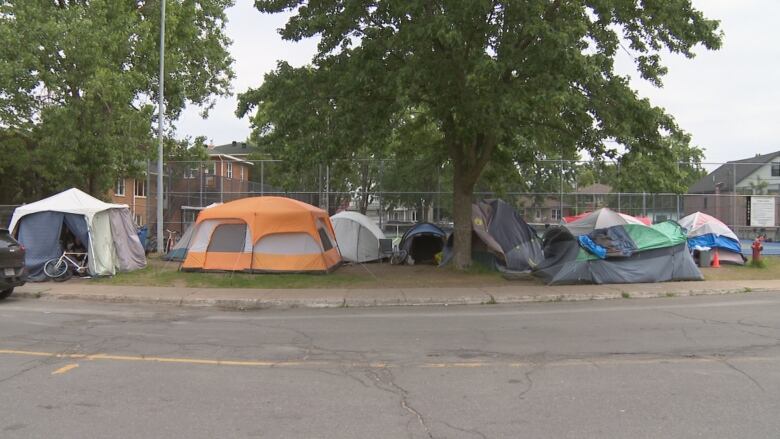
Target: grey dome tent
<point>357,236</point>
<point>500,238</point>
<point>179,250</point>
<point>422,243</point>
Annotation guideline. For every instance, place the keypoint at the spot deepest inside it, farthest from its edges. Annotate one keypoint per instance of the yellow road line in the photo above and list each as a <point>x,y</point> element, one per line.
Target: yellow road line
<point>602,361</point>
<point>64,369</point>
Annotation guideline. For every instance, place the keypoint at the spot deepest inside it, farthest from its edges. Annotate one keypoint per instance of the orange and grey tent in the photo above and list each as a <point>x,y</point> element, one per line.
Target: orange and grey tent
<point>263,234</point>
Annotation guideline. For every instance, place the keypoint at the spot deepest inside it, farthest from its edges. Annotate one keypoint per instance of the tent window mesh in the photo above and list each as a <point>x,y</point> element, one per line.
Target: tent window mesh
<point>288,244</point>
<point>228,238</point>
<point>326,244</point>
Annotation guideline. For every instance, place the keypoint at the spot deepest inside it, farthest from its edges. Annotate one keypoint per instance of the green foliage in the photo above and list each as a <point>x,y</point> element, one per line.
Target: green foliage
<point>503,82</point>
<point>79,80</point>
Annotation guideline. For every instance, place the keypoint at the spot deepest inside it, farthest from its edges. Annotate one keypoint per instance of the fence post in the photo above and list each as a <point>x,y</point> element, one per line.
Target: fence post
<point>327,189</point>
<point>381,191</point>
<point>262,177</point>
<point>734,195</point>
<point>560,196</point>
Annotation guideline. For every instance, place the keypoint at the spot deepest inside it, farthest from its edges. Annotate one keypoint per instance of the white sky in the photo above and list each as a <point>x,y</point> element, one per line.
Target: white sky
<point>727,99</point>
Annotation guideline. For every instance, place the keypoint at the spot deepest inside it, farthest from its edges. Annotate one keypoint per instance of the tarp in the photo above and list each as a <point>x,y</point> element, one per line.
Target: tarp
<point>263,234</point>
<point>499,230</point>
<point>129,251</point>
<point>422,243</point>
<point>357,236</point>
<point>661,255</point>
<point>38,226</point>
<point>598,219</point>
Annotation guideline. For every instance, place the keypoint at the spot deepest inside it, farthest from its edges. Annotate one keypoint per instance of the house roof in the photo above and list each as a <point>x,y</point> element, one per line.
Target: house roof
<point>233,148</point>
<point>231,158</point>
<point>723,174</point>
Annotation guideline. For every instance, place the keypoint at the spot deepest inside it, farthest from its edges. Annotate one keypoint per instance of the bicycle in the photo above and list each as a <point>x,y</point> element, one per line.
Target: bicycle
<point>171,240</point>
<point>62,268</point>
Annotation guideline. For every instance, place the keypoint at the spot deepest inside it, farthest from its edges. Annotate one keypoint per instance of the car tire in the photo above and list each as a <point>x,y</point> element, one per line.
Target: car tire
<point>5,293</point>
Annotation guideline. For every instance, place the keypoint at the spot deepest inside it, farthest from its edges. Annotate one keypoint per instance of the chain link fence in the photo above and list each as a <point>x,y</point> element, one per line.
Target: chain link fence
<point>396,195</point>
<point>743,195</point>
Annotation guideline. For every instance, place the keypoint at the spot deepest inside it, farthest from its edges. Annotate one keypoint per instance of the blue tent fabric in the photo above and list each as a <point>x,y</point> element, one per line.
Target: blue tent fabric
<point>615,241</point>
<point>41,239</point>
<point>588,244</point>
<point>77,224</point>
<point>715,241</point>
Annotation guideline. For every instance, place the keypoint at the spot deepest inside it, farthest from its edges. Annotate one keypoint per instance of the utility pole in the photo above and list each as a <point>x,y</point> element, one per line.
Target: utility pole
<point>160,125</point>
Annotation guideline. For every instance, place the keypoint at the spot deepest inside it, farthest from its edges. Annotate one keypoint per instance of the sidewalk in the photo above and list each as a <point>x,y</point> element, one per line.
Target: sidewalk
<point>240,299</point>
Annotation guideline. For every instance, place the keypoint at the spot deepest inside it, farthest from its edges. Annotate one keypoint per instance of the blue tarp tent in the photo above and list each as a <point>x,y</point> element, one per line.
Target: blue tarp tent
<point>707,231</point>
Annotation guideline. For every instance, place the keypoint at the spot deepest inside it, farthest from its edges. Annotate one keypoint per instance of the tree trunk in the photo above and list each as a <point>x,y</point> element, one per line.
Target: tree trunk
<point>463,191</point>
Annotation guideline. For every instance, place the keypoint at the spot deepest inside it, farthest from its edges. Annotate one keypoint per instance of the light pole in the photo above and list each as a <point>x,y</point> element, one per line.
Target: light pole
<point>160,124</point>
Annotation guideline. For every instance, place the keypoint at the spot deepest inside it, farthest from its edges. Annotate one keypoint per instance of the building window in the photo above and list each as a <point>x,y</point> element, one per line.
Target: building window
<point>555,214</point>
<point>414,215</point>
<point>139,220</point>
<point>776,169</point>
<point>119,189</point>
<point>229,172</point>
<point>538,214</point>
<point>140,188</point>
<point>242,173</point>
<point>190,173</point>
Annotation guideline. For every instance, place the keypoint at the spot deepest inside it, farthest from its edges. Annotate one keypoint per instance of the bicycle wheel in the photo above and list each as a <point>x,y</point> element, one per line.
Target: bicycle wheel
<point>55,268</point>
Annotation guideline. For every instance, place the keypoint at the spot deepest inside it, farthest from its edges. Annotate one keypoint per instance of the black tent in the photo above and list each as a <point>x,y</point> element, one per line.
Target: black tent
<point>500,238</point>
<point>422,243</point>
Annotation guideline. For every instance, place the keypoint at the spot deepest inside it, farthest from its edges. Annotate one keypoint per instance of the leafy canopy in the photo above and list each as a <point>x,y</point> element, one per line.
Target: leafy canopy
<point>79,79</point>
<point>499,78</point>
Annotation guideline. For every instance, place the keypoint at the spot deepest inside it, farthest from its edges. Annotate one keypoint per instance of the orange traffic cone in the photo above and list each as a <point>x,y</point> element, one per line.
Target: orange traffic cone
<point>716,260</point>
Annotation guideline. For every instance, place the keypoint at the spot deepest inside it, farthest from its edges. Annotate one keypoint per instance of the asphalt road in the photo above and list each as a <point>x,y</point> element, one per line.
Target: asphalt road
<point>657,368</point>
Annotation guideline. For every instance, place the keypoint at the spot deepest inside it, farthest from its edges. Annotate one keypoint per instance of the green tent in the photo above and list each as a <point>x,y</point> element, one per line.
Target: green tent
<point>637,254</point>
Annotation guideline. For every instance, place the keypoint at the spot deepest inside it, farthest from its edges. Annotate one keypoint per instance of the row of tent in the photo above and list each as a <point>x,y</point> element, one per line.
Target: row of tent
<point>277,234</point>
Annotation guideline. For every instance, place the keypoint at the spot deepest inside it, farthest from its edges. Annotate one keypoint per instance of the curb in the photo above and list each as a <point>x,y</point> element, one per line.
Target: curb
<point>485,298</point>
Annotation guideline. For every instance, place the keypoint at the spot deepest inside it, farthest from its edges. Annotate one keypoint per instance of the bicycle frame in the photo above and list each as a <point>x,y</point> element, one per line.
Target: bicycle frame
<point>79,266</point>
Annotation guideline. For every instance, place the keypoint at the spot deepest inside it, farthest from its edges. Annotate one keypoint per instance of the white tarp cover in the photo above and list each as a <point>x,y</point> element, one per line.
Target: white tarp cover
<point>698,224</point>
<point>357,236</point>
<point>105,239</point>
<point>600,219</point>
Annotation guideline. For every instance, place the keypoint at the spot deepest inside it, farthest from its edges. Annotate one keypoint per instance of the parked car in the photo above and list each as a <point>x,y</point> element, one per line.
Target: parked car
<point>12,270</point>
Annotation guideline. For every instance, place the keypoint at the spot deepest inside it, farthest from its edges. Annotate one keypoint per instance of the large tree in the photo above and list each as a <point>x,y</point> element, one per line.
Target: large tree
<point>496,76</point>
<point>79,80</point>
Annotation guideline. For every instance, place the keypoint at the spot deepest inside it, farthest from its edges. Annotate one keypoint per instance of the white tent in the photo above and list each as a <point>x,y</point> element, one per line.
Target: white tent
<point>107,231</point>
<point>599,219</point>
<point>699,223</point>
<point>357,236</point>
